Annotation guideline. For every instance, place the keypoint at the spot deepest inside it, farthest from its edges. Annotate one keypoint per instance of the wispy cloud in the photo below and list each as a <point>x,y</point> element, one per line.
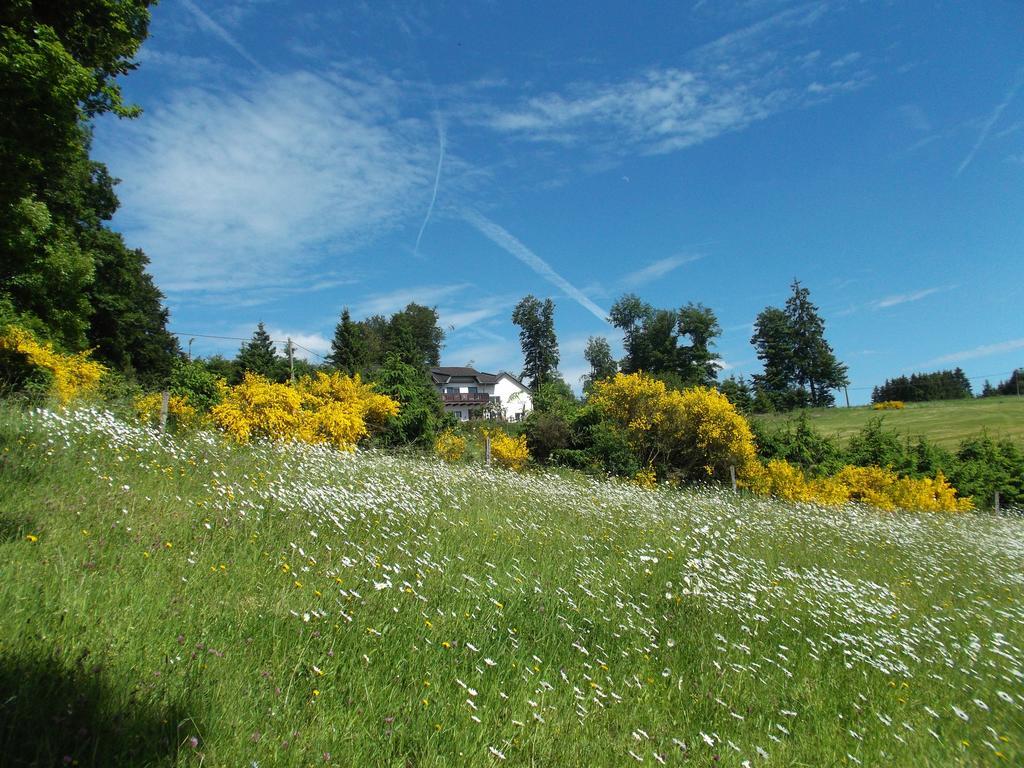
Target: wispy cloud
<point>207,23</point>
<point>984,350</point>
<point>991,120</point>
<point>238,190</point>
<point>505,240</point>
<point>392,301</point>
<point>441,144</point>
<point>905,298</point>
<point>728,84</point>
<point>658,269</point>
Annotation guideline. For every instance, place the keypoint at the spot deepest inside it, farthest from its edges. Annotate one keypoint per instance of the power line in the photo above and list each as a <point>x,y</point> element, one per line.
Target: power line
<point>239,338</point>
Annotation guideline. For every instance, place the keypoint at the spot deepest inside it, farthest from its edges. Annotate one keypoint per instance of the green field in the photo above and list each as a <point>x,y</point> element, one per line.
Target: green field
<point>180,601</point>
<point>945,422</point>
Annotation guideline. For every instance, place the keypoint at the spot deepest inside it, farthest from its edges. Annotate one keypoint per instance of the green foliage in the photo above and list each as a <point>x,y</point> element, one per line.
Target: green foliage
<point>421,416</point>
<point>985,466</point>
<point>58,64</point>
<point>547,432</point>
<point>259,356</point>
<point>536,321</point>
<point>128,327</point>
<point>875,446</point>
<point>801,446</point>
<point>415,336</point>
<point>195,382</point>
<point>672,345</point>
<point>922,387</point>
<point>348,348</point>
<point>800,368</point>
<point>739,392</point>
<point>602,365</point>
<point>1012,386</point>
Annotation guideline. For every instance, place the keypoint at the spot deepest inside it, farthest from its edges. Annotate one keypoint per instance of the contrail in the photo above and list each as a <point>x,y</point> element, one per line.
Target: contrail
<point>441,142</point>
<point>505,240</point>
<point>983,136</point>
<point>223,34</point>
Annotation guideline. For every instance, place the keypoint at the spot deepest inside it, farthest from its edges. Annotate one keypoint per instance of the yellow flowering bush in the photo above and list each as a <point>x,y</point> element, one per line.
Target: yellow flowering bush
<point>147,409</point>
<point>782,480</point>
<point>697,432</point>
<point>646,478</point>
<point>876,486</point>
<point>259,408</point>
<point>325,408</point>
<point>341,410</point>
<point>449,446</point>
<point>72,375</point>
<point>889,405</point>
<point>509,452</point>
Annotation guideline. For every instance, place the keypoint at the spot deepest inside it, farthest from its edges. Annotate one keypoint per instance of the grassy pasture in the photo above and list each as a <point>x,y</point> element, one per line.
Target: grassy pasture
<point>179,601</point>
<point>944,422</point>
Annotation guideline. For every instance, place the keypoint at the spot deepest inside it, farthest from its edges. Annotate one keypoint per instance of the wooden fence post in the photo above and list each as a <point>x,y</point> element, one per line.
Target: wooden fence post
<point>732,476</point>
<point>997,502</point>
<point>165,399</point>
<point>487,450</point>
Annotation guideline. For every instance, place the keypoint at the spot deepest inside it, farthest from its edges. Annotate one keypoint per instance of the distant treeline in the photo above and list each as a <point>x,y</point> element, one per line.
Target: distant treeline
<point>922,387</point>
<point>1012,386</point>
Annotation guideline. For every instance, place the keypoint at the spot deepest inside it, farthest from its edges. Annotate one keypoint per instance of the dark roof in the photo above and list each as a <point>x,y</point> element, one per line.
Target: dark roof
<point>445,375</point>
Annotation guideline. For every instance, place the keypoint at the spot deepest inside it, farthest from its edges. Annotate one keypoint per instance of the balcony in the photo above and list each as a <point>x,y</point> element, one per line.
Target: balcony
<point>465,398</point>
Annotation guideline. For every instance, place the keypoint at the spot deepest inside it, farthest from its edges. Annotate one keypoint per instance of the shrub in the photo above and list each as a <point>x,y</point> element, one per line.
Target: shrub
<point>258,408</point>
<point>421,413</point>
<point>509,452</point>
<point>449,446</point>
<point>68,377</point>
<point>147,409</point>
<point>194,382</point>
<point>888,405</point>
<point>646,478</point>
<point>547,432</point>
<point>880,487</point>
<point>696,433</point>
<point>325,408</point>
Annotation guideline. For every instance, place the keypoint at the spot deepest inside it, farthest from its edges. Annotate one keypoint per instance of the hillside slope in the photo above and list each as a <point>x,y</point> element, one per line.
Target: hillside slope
<point>185,602</point>
<point>944,422</point>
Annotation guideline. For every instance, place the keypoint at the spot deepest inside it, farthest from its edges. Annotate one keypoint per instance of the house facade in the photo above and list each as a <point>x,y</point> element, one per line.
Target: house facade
<point>466,392</point>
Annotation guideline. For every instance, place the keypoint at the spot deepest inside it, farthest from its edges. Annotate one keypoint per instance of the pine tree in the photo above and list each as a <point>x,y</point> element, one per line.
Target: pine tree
<point>348,347</point>
<point>258,356</point>
<point>536,321</point>
<point>814,363</point>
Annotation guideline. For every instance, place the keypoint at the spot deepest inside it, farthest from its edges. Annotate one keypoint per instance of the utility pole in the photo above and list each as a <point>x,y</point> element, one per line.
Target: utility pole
<point>291,362</point>
<point>846,391</point>
<point>190,349</point>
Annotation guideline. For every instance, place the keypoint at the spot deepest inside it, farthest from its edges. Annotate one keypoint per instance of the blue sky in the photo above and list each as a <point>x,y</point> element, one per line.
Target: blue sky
<point>292,160</point>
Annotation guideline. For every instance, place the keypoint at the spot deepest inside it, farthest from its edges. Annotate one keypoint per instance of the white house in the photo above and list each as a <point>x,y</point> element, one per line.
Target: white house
<point>467,391</point>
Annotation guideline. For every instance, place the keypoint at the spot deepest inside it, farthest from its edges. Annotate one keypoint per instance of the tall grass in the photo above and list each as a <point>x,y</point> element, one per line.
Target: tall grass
<point>181,601</point>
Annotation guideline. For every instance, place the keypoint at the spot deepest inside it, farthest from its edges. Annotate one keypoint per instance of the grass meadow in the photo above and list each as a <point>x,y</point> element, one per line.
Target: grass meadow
<point>943,422</point>
<point>178,601</point>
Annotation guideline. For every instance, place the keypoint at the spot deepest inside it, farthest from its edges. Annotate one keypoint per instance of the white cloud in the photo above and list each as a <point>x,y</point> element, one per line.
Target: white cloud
<point>658,269</point>
<point>991,120</point>
<point>505,240</point>
<point>728,84</point>
<point>306,346</point>
<point>393,301</point>
<point>984,350</point>
<point>904,298</point>
<point>249,189</point>
<point>207,23</point>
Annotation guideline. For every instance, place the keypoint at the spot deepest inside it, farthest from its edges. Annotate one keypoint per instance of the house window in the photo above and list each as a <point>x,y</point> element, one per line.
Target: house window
<point>451,390</point>
<point>471,390</point>
<point>458,415</point>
